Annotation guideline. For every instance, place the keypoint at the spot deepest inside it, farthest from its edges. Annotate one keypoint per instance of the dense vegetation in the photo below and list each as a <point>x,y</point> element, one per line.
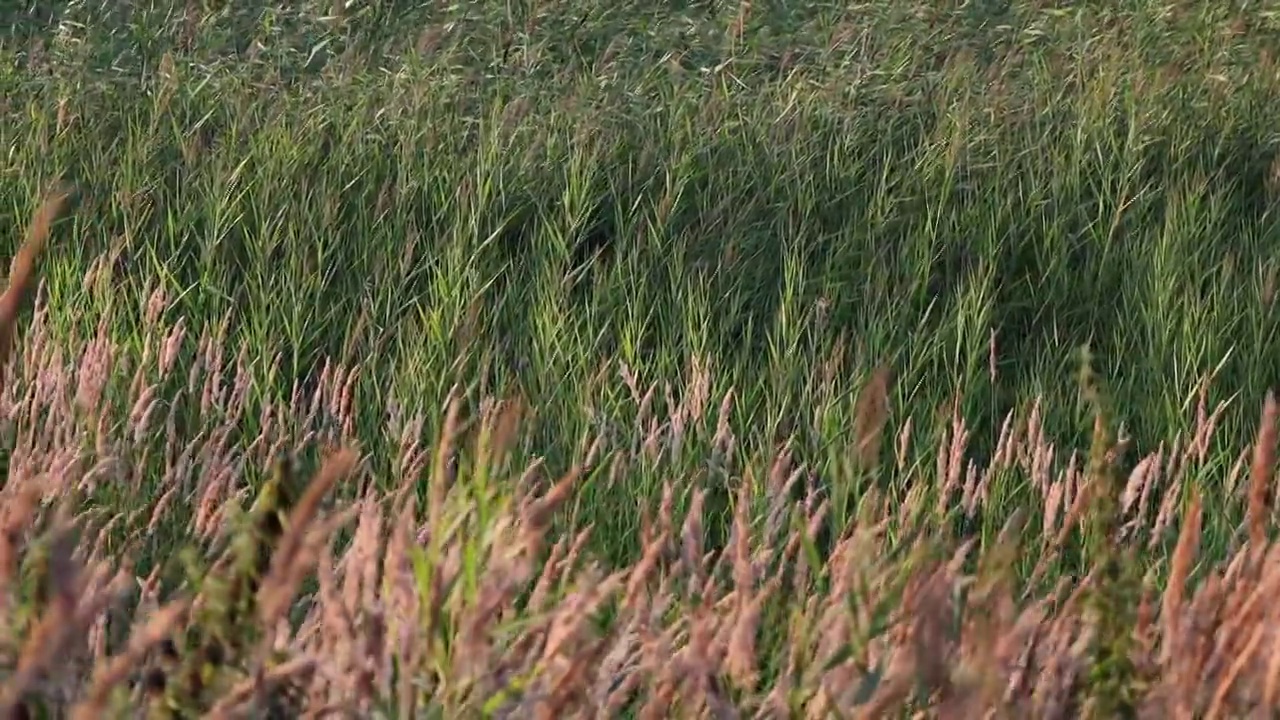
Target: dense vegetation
<point>658,359</point>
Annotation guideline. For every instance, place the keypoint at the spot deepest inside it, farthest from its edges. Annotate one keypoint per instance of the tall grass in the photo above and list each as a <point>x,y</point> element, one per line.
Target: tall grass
<point>730,262</point>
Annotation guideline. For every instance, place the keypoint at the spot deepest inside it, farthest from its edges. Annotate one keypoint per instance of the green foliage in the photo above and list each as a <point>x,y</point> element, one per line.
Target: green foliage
<point>752,204</point>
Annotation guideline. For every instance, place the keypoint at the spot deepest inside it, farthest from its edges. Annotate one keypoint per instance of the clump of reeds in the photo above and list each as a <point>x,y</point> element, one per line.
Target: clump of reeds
<point>470,598</point>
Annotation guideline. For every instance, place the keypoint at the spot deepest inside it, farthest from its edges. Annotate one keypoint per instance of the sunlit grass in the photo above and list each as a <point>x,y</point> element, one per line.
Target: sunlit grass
<point>662,227</point>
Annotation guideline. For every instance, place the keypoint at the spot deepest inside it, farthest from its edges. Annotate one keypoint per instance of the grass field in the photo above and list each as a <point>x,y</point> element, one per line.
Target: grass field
<point>654,359</point>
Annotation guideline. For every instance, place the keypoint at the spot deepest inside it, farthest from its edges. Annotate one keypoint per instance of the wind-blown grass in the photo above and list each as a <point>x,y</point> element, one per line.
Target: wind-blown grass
<point>682,242</point>
<point>443,585</point>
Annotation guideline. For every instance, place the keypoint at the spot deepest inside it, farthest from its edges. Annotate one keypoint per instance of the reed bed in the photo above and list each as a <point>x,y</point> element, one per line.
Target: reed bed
<point>434,585</point>
<point>609,359</point>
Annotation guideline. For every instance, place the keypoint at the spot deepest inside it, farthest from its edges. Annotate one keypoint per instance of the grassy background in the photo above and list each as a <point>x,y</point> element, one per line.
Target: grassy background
<point>518,197</point>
